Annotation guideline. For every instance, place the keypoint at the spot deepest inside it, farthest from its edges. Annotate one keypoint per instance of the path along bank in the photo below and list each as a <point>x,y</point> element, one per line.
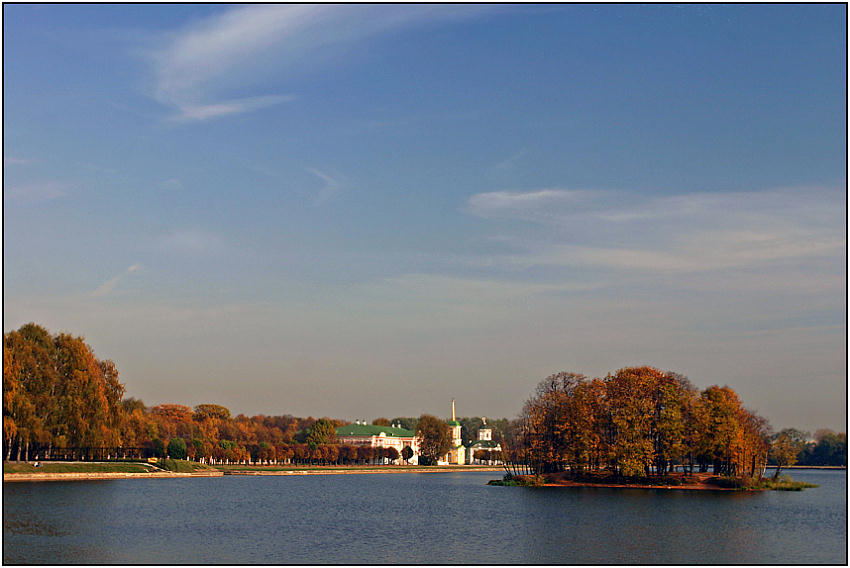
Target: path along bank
<point>95,476</point>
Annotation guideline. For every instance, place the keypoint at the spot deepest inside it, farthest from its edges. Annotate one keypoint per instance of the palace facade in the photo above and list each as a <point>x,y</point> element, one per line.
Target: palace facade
<point>379,437</point>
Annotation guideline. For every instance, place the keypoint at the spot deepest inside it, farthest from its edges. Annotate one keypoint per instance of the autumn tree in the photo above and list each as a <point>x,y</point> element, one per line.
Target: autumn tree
<point>57,393</point>
<point>785,447</point>
<point>435,438</point>
<point>391,454</point>
<point>406,453</point>
<point>638,421</point>
<point>211,411</point>
<point>381,422</point>
<point>365,453</point>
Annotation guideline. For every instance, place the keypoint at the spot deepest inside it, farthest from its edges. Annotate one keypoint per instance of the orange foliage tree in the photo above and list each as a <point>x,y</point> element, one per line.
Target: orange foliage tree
<point>638,421</point>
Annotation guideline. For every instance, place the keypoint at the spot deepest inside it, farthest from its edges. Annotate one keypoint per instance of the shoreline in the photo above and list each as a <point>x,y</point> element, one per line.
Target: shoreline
<point>693,487</point>
<point>103,476</point>
<point>355,471</point>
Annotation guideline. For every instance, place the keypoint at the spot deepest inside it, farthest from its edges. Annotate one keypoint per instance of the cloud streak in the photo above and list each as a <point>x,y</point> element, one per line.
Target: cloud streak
<point>13,161</point>
<point>107,287</point>
<point>248,45</point>
<point>679,233</point>
<point>36,192</point>
<point>329,190</point>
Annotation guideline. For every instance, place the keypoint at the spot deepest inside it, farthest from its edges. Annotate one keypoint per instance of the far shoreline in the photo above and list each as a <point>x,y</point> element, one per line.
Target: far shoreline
<point>248,471</point>
<point>277,470</point>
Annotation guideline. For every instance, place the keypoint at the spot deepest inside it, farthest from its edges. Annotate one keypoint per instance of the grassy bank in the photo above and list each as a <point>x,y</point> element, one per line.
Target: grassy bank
<point>77,467</point>
<point>183,466</point>
<point>784,483</point>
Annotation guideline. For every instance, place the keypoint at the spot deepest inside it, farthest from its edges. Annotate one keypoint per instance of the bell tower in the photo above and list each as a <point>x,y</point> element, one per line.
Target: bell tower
<point>456,438</point>
<point>484,433</point>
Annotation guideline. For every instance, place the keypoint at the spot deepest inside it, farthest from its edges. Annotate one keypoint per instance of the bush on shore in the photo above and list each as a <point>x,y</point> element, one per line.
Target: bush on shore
<point>519,481</point>
<point>784,483</point>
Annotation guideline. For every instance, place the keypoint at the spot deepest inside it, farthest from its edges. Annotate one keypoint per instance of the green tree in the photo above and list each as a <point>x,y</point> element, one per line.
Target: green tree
<point>177,449</point>
<point>406,453</point>
<point>158,448</point>
<point>322,432</point>
<point>406,423</point>
<point>830,449</point>
<point>435,439</point>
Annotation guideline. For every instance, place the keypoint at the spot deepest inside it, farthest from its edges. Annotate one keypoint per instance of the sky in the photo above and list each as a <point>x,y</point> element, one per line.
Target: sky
<point>360,211</point>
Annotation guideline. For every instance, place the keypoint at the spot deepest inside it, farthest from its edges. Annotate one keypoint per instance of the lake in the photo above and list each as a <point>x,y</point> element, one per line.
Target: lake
<point>434,518</point>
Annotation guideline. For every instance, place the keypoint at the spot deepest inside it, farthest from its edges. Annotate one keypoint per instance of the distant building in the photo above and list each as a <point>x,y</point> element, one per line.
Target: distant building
<point>457,453</point>
<point>358,434</point>
<point>484,442</point>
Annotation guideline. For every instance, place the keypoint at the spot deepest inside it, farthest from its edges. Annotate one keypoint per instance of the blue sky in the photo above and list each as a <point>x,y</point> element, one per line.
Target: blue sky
<point>366,211</point>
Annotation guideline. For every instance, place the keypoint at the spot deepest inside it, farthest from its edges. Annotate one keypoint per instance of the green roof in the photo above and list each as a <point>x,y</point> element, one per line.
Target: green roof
<point>484,443</point>
<point>372,430</point>
<point>453,423</point>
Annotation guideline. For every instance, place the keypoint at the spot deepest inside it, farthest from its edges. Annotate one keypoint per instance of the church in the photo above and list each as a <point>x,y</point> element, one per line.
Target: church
<point>457,453</point>
<point>484,442</point>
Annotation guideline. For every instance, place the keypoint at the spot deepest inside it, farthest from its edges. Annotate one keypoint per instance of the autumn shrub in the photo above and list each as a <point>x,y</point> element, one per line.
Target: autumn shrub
<point>530,480</point>
<point>506,481</point>
<point>785,483</point>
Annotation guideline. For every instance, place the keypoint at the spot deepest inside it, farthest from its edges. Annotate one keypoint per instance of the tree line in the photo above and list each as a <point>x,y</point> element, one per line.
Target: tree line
<point>61,401</point>
<point>638,421</point>
<point>791,446</point>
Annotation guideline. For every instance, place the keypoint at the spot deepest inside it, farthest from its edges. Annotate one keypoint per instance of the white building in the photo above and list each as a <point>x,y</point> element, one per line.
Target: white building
<point>484,442</point>
<point>358,434</point>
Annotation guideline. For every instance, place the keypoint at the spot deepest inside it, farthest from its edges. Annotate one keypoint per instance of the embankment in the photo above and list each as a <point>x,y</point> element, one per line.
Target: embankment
<point>98,476</point>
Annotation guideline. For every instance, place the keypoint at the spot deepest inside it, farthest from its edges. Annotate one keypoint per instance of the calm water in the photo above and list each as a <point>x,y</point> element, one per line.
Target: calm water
<point>442,518</point>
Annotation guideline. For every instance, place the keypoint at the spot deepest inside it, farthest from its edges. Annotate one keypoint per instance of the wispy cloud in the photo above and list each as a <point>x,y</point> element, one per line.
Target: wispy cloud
<point>242,47</point>
<point>13,161</point>
<point>107,287</point>
<point>197,112</point>
<point>511,161</point>
<point>329,190</point>
<point>171,184</point>
<point>36,192</point>
<point>678,233</point>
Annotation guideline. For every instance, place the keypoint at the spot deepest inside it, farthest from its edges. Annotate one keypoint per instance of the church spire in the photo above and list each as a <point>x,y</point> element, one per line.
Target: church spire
<point>453,410</point>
